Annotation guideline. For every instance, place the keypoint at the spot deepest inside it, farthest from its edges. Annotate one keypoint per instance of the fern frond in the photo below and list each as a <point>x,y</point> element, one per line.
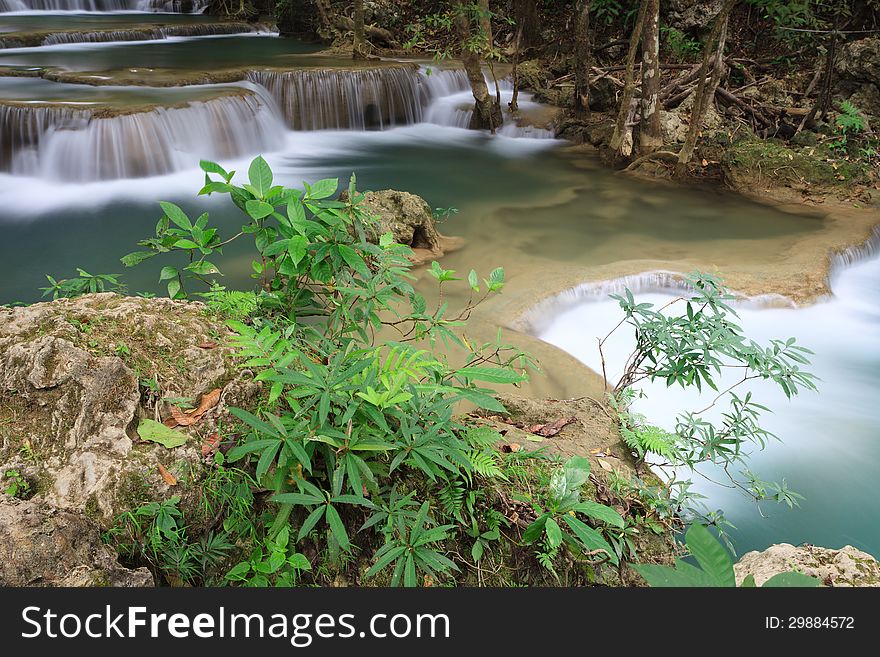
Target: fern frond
<point>485,463</point>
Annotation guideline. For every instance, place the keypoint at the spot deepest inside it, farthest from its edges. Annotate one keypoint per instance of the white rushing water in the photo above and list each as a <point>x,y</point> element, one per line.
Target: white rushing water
<point>71,143</point>
<point>102,6</point>
<point>833,432</point>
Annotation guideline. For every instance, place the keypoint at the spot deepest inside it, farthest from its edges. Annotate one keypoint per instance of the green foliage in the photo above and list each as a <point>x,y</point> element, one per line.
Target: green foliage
<point>17,485</point>
<point>693,347</point>
<point>272,561</point>
<point>155,533</point>
<point>680,45</point>
<point>347,415</point>
<point>715,567</point>
<point>85,283</point>
<point>558,524</point>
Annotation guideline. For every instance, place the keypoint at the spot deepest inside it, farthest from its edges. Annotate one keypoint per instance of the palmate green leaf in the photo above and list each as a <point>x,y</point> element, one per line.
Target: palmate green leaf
<point>156,432</point>
<point>252,420</point>
<point>710,554</point>
<point>260,176</point>
<point>393,553</point>
<point>302,499</point>
<point>239,451</point>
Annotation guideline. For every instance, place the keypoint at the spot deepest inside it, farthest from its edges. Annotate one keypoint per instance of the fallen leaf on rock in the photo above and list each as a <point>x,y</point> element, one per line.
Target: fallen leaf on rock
<point>605,465</point>
<point>512,447</point>
<point>190,417</point>
<point>209,401</point>
<point>169,478</point>
<point>551,428</point>
<point>155,432</point>
<point>208,345</point>
<point>210,445</point>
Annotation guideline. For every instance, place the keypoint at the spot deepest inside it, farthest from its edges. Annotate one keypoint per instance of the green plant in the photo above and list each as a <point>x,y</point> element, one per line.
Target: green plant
<point>411,550</point>
<point>154,533</point>
<point>272,561</point>
<point>17,485</point>
<point>680,44</point>
<point>347,415</point>
<point>715,567</point>
<point>557,521</point>
<point>695,347</point>
<point>86,283</point>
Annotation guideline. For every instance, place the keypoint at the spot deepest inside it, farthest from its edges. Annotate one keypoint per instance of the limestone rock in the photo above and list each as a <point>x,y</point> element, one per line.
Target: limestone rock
<point>71,399</point>
<point>407,217</point>
<point>689,15</point>
<point>844,567</point>
<point>41,545</point>
<point>859,61</point>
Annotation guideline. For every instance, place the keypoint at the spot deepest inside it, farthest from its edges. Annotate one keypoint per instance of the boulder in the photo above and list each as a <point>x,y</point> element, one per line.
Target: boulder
<point>858,70</point>
<point>407,217</point>
<point>687,15</point>
<point>41,545</point>
<point>844,567</point>
<point>76,378</point>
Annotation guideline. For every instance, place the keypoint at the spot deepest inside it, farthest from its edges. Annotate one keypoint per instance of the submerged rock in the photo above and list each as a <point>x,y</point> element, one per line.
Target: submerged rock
<point>844,567</point>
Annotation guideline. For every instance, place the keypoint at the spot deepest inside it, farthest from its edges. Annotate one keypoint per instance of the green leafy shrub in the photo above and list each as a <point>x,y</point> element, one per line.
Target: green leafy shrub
<point>351,418</point>
<point>691,341</point>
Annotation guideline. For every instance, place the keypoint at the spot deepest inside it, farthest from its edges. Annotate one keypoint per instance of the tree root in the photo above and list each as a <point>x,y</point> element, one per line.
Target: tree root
<point>667,156</point>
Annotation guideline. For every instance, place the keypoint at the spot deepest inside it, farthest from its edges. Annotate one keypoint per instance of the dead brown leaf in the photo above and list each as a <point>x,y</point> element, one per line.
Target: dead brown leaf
<point>551,428</point>
<point>190,417</point>
<point>169,478</point>
<point>208,345</point>
<point>211,443</point>
<point>511,448</point>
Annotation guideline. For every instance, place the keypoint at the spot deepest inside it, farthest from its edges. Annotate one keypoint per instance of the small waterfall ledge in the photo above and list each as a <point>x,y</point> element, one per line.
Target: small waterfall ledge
<point>68,143</point>
<point>164,6</point>
<point>57,38</point>
<point>357,99</point>
<point>540,316</point>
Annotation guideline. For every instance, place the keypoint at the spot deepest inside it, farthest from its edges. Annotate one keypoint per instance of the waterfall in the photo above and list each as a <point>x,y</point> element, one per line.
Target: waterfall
<point>149,34</point>
<point>171,6</point>
<point>79,145</point>
<point>359,99</point>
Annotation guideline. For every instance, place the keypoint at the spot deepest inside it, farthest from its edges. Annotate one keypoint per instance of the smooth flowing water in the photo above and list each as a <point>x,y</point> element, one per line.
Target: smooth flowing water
<point>828,450</point>
<point>82,168</point>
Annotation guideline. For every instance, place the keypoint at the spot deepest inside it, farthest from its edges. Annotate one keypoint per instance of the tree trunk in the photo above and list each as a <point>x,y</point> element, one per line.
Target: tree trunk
<point>700,99</point>
<point>650,135</point>
<point>517,44</point>
<point>619,141</point>
<point>487,111</point>
<point>526,15</point>
<point>359,48</point>
<point>582,61</point>
<point>323,12</point>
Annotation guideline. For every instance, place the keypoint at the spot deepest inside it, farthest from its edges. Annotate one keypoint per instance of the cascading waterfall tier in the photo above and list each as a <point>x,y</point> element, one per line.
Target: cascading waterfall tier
<point>358,99</point>
<point>540,316</point>
<point>140,34</point>
<point>71,144</point>
<point>170,6</point>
